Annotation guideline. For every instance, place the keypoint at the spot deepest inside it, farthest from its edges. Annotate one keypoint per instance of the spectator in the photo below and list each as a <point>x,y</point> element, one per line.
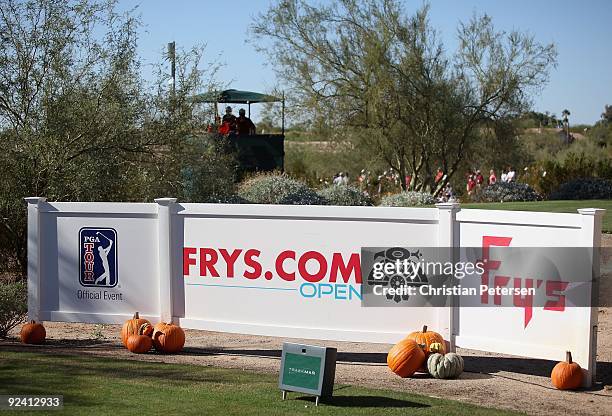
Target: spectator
<point>345,179</point>
<point>492,177</point>
<point>338,179</point>
<point>504,176</point>
<point>224,128</point>
<point>471,184</point>
<point>479,178</point>
<point>439,175</point>
<point>408,179</point>
<point>511,175</point>
<point>229,118</point>
<point>449,195</point>
<point>244,125</point>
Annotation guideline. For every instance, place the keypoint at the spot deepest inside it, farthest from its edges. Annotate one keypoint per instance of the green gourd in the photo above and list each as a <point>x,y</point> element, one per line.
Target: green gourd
<point>445,366</point>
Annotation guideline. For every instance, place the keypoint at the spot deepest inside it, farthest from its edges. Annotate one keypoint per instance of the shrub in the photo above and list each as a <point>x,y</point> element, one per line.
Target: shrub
<point>548,175</point>
<point>345,195</point>
<point>278,189</point>
<point>584,188</point>
<point>508,192</point>
<point>13,305</point>
<point>209,172</point>
<point>226,199</point>
<point>408,199</point>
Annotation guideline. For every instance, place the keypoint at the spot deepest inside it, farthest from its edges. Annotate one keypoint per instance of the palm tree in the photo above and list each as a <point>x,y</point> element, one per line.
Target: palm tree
<point>566,114</point>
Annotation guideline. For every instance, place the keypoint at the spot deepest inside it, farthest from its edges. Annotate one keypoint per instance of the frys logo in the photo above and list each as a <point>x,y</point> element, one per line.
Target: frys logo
<point>98,257</point>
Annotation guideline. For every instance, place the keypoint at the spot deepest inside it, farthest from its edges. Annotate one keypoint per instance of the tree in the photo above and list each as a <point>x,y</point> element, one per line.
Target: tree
<point>77,121</point>
<point>606,116</point>
<point>383,77</point>
<point>565,114</point>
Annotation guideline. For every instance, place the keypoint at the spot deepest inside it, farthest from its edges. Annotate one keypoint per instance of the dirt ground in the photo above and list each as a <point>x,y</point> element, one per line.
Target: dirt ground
<point>491,380</point>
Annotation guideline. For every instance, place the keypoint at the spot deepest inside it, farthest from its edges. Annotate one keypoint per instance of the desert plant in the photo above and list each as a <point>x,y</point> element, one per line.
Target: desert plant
<point>344,195</point>
<point>278,189</point>
<point>13,305</point>
<point>508,192</point>
<point>584,188</point>
<point>408,199</point>
<point>210,170</point>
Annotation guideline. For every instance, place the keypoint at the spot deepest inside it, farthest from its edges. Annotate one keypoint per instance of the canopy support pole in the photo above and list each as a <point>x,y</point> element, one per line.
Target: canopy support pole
<point>249,103</point>
<point>283,115</point>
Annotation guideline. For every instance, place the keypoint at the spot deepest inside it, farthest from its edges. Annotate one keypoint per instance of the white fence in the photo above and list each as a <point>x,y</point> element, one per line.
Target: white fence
<point>289,271</point>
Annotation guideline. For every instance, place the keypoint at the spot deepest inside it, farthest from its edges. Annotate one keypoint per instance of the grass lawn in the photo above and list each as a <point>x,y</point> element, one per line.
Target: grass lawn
<point>93,385</point>
<point>552,206</point>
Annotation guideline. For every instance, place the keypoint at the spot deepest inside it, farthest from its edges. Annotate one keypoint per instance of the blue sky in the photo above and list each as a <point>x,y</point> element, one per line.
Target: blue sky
<point>582,31</point>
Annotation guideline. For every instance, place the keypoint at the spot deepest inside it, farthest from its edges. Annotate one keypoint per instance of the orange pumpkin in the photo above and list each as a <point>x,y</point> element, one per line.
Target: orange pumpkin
<point>405,358</point>
<point>33,333</point>
<point>147,329</point>
<point>425,338</point>
<point>168,338</point>
<point>566,375</point>
<point>131,327</point>
<point>140,343</point>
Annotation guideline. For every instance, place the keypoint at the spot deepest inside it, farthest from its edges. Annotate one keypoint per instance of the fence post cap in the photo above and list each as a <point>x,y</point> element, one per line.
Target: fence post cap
<point>165,201</point>
<point>448,205</point>
<point>35,199</point>
<point>597,212</point>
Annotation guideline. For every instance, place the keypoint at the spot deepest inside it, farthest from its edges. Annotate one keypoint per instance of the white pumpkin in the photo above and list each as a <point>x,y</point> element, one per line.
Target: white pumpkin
<point>445,366</point>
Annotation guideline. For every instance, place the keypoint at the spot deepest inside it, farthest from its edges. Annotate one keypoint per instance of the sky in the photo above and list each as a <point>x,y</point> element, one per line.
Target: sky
<point>581,82</point>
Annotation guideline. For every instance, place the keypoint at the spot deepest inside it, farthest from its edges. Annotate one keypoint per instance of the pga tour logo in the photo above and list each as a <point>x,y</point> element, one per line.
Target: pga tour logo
<point>98,257</point>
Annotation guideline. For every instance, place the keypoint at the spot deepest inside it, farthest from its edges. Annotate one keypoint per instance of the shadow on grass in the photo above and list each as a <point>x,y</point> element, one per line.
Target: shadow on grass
<point>61,343</point>
<point>364,401</point>
<point>91,366</point>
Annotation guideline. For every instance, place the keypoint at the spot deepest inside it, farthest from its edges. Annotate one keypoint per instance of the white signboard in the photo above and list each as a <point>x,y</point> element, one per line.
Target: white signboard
<point>289,271</point>
<point>295,271</point>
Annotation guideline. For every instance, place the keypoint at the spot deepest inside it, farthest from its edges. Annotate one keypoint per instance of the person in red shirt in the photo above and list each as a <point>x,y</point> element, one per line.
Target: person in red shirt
<point>479,178</point>
<point>492,177</point>
<point>471,184</point>
<point>244,125</point>
<point>224,128</point>
<point>439,175</point>
<point>230,119</point>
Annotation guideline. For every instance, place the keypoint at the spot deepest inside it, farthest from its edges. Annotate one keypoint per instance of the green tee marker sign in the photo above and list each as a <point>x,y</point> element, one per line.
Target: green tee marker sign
<point>307,369</point>
<point>302,370</point>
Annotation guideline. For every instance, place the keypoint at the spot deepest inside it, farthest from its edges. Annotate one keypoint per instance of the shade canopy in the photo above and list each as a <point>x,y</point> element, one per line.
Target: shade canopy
<point>234,97</point>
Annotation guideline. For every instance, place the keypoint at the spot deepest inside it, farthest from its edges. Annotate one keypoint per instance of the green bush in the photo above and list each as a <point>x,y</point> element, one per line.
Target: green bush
<point>13,305</point>
<point>278,189</point>
<point>584,188</point>
<point>548,175</point>
<point>508,192</point>
<point>210,170</point>
<point>345,195</point>
<point>408,199</point>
